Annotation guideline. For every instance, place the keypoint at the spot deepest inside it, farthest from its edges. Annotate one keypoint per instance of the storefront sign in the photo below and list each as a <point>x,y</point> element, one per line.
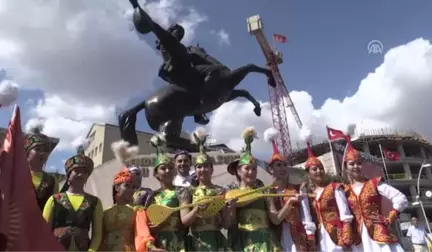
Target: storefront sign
<point>217,160</point>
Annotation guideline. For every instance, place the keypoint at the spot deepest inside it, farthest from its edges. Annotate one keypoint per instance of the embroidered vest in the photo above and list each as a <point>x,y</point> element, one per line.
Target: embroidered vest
<point>70,225</point>
<point>327,213</point>
<point>45,189</point>
<point>298,232</point>
<point>364,207</point>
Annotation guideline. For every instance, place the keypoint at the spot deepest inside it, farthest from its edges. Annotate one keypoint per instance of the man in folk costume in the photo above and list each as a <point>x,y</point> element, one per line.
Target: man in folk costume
<point>72,212</point>
<point>330,206</point>
<point>297,229</point>
<point>38,148</point>
<point>373,231</point>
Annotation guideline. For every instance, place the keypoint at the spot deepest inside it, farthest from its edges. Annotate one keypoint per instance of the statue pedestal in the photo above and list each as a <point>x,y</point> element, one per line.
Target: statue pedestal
<point>182,144</point>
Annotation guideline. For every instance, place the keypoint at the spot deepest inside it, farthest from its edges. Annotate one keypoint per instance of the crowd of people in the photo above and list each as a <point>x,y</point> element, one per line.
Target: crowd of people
<point>318,215</point>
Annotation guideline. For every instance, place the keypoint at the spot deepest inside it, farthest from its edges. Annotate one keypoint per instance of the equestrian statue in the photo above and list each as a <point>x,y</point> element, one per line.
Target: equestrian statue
<point>198,83</point>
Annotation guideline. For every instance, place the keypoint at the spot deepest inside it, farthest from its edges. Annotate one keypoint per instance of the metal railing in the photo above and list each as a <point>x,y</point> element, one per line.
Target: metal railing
<point>404,176</point>
<point>426,201</point>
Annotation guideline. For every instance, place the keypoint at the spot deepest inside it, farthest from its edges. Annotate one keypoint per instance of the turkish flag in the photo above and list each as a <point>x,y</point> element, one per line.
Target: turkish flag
<point>280,38</point>
<point>22,227</point>
<point>334,134</point>
<point>391,155</point>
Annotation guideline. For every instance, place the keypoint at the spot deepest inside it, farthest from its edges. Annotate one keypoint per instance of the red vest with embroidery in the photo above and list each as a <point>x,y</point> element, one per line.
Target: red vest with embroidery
<point>327,213</point>
<point>365,207</point>
<point>298,232</point>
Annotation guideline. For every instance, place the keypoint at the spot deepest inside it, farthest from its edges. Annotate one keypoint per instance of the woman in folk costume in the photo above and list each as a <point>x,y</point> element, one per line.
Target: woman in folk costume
<point>38,148</point>
<point>125,227</point>
<point>330,207</point>
<point>142,195</point>
<point>171,234</point>
<point>250,228</point>
<point>298,228</point>
<point>364,196</point>
<point>124,151</point>
<point>205,233</point>
<point>72,211</point>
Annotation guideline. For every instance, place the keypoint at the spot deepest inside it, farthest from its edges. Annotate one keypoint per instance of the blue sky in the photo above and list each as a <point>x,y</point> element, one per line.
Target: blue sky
<point>327,50</point>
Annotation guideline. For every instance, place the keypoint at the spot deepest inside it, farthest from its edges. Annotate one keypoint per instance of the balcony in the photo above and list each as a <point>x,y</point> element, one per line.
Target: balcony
<point>409,160</point>
<point>397,179</point>
<point>427,202</point>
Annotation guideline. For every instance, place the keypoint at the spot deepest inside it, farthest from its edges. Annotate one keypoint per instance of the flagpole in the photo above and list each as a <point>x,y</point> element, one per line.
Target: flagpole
<point>343,159</point>
<point>332,153</point>
<point>398,227</point>
<point>384,163</point>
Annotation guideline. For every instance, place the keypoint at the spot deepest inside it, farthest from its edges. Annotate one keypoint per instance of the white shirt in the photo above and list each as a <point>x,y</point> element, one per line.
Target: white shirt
<point>181,181</point>
<point>417,235</point>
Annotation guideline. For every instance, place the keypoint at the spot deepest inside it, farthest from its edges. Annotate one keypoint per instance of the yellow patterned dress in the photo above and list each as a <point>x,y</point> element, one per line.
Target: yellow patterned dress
<point>119,228</point>
<point>171,234</point>
<point>205,234</point>
<point>253,232</point>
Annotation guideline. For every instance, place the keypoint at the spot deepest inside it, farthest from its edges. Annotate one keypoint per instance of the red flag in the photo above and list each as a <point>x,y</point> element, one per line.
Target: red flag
<point>391,155</point>
<point>334,134</point>
<point>278,38</point>
<point>21,221</point>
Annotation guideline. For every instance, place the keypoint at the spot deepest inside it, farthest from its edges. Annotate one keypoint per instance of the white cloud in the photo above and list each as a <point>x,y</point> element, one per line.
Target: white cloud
<point>396,94</point>
<point>83,55</point>
<point>222,36</point>
<point>70,121</point>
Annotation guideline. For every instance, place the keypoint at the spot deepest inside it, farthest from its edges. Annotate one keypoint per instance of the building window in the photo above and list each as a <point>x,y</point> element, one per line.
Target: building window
<point>100,147</point>
<point>96,150</point>
<point>91,137</point>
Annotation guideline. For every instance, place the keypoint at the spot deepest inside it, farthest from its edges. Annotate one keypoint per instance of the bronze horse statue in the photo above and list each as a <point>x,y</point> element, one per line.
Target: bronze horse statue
<point>198,85</point>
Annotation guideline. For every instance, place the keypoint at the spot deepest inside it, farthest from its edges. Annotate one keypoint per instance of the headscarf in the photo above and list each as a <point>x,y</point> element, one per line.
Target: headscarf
<point>271,135</point>
<point>199,138</point>
<point>123,176</point>
<point>312,160</point>
<point>161,158</point>
<point>35,139</point>
<point>351,153</point>
<point>78,160</point>
<point>249,134</point>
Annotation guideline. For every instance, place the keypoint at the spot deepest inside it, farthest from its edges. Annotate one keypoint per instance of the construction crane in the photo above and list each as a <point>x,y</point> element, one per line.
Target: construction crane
<point>279,96</point>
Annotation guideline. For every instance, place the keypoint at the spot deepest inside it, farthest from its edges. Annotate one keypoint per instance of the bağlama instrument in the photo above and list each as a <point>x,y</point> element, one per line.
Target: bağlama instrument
<point>157,214</point>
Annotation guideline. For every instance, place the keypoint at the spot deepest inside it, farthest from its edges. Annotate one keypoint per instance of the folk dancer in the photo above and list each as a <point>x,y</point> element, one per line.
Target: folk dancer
<point>182,163</point>
<point>142,194</point>
<point>171,234</point>
<point>38,148</point>
<point>125,227</point>
<point>330,208</point>
<point>205,234</point>
<point>364,195</point>
<point>72,211</point>
<point>250,225</point>
<point>124,151</point>
<point>297,229</point>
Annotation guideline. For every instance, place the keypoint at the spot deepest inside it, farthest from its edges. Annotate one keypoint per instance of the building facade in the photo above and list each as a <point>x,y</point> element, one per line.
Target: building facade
<point>101,136</point>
